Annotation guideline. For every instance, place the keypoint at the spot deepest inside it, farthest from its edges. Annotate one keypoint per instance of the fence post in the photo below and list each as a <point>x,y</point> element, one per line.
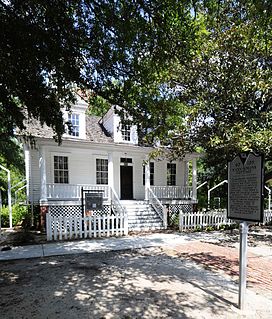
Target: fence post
<point>180,220</point>
<point>48,227</point>
<point>125,224</point>
<point>165,211</point>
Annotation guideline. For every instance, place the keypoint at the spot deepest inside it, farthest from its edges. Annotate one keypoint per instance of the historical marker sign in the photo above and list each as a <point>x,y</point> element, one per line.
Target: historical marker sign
<point>93,201</point>
<point>245,188</point>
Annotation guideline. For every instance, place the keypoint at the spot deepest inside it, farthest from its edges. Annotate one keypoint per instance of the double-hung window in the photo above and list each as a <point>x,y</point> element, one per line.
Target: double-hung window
<point>61,172</point>
<point>125,130</point>
<point>74,120</point>
<point>171,174</point>
<point>152,173</point>
<point>101,171</point>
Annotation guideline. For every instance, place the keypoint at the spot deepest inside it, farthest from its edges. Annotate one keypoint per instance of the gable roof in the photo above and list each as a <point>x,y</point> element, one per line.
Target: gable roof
<point>95,132</point>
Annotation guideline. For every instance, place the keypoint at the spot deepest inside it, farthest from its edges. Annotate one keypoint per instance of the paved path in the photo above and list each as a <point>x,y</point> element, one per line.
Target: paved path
<point>92,245</point>
<point>202,248</point>
<point>225,260</point>
<point>208,250</point>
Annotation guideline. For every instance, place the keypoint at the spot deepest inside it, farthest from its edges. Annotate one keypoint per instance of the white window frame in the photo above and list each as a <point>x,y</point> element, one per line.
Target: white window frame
<point>126,132</point>
<point>61,170</point>
<point>99,174</point>
<point>169,180</point>
<point>74,119</point>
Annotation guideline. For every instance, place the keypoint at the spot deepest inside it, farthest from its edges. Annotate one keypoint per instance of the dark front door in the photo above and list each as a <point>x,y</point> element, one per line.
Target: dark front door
<point>126,177</point>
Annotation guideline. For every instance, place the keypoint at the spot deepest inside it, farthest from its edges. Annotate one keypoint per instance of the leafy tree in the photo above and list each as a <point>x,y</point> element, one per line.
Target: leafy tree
<point>198,73</point>
<point>120,50</point>
<point>40,60</point>
<point>16,172</point>
<point>229,83</point>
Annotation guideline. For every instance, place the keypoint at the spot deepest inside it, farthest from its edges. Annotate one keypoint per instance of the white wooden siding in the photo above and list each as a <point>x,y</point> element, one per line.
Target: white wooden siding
<point>82,167</point>
<point>34,182</point>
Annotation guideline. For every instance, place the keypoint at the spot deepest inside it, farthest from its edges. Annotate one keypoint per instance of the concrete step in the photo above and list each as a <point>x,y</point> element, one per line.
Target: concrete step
<point>146,217</point>
<point>144,228</point>
<point>141,216</point>
<point>150,220</point>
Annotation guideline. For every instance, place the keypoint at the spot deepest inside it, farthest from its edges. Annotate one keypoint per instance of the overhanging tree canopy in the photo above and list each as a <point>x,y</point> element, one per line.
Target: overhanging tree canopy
<point>197,72</point>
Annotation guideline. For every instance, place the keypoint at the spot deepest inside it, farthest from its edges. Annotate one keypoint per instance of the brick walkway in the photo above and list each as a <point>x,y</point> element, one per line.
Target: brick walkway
<point>226,260</point>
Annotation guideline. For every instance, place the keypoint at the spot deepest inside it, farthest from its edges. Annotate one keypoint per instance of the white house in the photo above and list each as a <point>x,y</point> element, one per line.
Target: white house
<point>102,157</point>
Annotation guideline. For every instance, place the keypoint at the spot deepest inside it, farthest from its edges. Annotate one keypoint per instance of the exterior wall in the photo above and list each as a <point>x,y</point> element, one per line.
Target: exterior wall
<point>34,176</point>
<point>82,167</point>
<point>160,168</point>
<point>108,121</point>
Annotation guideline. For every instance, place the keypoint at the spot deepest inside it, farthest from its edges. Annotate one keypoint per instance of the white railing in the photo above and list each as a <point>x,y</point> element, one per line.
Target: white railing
<point>267,217</point>
<point>178,192</point>
<point>157,205</point>
<point>60,228</point>
<point>194,220</point>
<point>64,191</point>
<point>115,203</point>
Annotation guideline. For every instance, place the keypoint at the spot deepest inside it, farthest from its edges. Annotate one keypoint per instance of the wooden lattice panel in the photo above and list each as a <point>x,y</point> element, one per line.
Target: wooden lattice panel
<point>173,212</point>
<point>65,211</point>
<point>74,210</point>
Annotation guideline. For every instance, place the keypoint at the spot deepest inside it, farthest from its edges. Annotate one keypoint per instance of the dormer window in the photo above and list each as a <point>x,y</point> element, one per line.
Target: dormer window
<point>125,129</point>
<point>74,120</point>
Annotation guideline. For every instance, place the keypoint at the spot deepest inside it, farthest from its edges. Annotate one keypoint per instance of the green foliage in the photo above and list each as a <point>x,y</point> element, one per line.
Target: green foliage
<point>16,167</point>
<point>19,214</point>
<point>190,73</point>
<point>40,59</point>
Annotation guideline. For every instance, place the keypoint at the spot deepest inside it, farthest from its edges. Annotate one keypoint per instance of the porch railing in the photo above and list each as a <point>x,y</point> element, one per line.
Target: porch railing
<point>116,204</point>
<point>157,205</point>
<point>171,192</point>
<point>72,191</point>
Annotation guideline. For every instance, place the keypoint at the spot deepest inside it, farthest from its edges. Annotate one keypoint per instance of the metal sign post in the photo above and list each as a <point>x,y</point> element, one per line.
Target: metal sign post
<point>242,264</point>
<point>245,203</point>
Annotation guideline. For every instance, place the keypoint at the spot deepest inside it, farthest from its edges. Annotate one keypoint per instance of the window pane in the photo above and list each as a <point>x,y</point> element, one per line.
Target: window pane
<point>101,171</point>
<point>74,120</point>
<point>61,173</point>
<point>171,174</point>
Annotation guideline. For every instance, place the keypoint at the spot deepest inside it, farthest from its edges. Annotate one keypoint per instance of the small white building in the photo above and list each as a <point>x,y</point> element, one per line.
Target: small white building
<point>102,157</point>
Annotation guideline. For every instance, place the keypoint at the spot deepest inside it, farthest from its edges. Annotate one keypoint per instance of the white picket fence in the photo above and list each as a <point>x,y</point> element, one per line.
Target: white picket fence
<point>267,216</point>
<point>190,221</point>
<point>60,228</point>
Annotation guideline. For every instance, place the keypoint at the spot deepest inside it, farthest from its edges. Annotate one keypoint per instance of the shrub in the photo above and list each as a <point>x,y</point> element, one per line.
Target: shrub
<point>20,213</point>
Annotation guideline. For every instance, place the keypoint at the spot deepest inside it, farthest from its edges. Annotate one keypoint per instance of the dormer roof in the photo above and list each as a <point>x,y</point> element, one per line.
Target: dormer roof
<point>94,131</point>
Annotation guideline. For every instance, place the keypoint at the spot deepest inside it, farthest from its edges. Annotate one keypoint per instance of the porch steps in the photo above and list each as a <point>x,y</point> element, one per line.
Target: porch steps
<point>141,216</point>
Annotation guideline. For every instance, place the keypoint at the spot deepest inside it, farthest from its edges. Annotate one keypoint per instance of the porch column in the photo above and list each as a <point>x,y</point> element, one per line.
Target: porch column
<point>194,178</point>
<point>110,171</point>
<point>27,171</point>
<point>147,179</point>
<point>42,165</point>
<point>186,173</point>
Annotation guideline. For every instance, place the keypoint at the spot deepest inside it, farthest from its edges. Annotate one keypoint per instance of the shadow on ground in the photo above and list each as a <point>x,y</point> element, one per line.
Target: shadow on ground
<point>145,283</point>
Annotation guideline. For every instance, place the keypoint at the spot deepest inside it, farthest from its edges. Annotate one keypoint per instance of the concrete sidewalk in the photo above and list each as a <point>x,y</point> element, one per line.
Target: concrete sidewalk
<point>201,278</point>
<point>94,245</point>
